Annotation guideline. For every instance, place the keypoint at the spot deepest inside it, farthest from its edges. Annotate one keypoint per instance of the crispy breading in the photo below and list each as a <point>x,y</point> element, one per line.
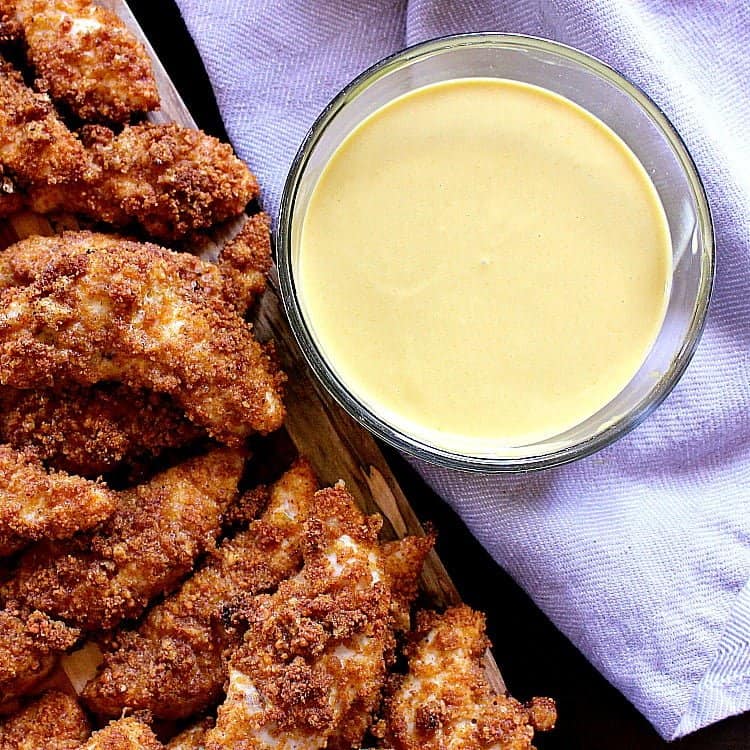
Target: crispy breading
<point>10,29</point>
<point>36,148</point>
<point>166,178</point>
<point>239,276</point>
<point>53,722</point>
<point>403,560</point>
<point>25,261</point>
<point>402,563</point>
<point>39,504</point>
<point>192,738</point>
<point>30,643</point>
<point>93,430</point>
<point>124,734</point>
<point>315,643</point>
<point>245,261</point>
<point>445,701</point>
<point>151,542</point>
<point>124,313</point>
<point>174,665</point>
<point>87,58</point>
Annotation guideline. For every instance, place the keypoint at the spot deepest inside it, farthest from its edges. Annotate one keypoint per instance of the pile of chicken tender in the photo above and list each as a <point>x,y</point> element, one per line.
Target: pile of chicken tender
<point>168,576</point>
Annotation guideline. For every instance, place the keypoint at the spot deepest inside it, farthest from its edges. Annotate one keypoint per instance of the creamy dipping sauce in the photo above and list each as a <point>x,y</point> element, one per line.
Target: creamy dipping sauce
<point>484,264</point>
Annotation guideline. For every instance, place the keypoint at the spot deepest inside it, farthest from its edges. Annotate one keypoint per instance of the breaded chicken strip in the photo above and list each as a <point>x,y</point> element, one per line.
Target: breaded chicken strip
<point>168,179</point>
<point>445,701</point>
<point>30,643</point>
<point>144,550</point>
<point>36,148</point>
<point>402,562</point>
<point>125,734</point>
<point>174,665</point>
<point>239,276</point>
<point>313,645</point>
<point>124,313</point>
<point>86,57</point>
<point>53,722</point>
<point>92,430</point>
<point>25,261</point>
<point>192,738</point>
<point>40,504</point>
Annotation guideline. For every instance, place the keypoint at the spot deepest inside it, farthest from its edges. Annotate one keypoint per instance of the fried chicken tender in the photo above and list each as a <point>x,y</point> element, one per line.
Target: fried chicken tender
<point>151,542</point>
<point>402,562</point>
<point>132,313</point>
<point>40,504</point>
<point>169,179</point>
<point>124,734</point>
<point>87,58</point>
<point>53,722</point>
<point>30,643</point>
<point>36,148</point>
<point>91,431</point>
<point>316,643</point>
<point>192,738</point>
<point>174,665</point>
<point>445,701</point>
<point>239,276</point>
<point>23,262</point>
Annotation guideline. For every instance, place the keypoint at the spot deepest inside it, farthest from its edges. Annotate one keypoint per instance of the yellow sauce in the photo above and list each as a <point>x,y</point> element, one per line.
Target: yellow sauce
<point>484,264</point>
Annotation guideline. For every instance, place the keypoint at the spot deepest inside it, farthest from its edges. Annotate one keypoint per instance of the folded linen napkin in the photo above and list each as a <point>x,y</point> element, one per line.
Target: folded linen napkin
<point>641,553</point>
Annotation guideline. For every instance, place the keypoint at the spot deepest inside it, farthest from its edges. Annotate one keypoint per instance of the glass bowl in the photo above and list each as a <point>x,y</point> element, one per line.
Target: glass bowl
<point>623,107</point>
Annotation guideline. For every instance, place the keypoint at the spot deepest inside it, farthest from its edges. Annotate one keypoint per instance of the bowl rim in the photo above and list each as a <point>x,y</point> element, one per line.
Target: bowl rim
<point>380,428</point>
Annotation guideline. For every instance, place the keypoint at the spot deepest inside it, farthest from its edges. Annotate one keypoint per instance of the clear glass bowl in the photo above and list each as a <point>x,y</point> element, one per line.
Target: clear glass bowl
<point>621,105</point>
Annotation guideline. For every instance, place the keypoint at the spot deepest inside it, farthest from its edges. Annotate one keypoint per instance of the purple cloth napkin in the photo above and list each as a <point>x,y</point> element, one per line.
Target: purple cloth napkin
<point>641,553</point>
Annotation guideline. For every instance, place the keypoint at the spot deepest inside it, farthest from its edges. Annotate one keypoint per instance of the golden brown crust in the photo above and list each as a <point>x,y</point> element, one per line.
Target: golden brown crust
<point>40,504</point>
<point>125,734</point>
<point>30,643</point>
<point>86,57</point>
<point>124,313</point>
<point>169,179</point>
<point>316,643</point>
<point>24,262</point>
<point>402,562</point>
<point>542,713</point>
<point>245,262</point>
<point>91,431</point>
<point>36,148</point>
<point>174,665</point>
<point>53,722</point>
<point>445,701</point>
<point>10,29</point>
<point>148,545</point>
<point>192,738</point>
<point>239,277</point>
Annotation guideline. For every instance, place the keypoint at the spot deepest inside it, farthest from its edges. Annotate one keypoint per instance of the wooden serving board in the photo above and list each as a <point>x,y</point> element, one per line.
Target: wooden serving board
<point>337,446</point>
